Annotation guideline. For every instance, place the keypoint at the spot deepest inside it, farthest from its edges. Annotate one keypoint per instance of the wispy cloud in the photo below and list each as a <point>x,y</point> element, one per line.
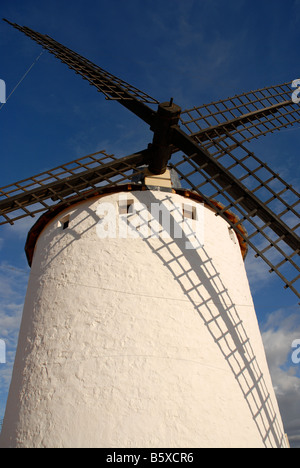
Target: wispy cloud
<point>280,330</point>
<point>13,284</point>
<point>20,229</point>
<point>257,272</point>
<point>296,14</point>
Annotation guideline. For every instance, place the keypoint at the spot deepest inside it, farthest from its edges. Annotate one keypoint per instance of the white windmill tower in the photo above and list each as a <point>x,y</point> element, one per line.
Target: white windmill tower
<point>139,328</point>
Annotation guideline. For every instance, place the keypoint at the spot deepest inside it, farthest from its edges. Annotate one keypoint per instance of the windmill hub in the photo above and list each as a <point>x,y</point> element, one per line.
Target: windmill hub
<point>167,117</point>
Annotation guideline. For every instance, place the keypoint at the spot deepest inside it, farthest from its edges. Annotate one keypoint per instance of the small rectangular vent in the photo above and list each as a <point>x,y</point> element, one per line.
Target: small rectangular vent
<point>189,212</point>
<point>65,222</point>
<point>124,206</point>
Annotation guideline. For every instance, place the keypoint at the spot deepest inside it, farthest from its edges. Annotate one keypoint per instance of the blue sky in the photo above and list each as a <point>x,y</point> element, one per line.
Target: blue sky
<point>196,51</point>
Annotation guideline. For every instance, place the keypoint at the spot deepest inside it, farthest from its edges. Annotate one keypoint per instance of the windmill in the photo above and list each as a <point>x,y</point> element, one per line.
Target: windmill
<point>143,342</point>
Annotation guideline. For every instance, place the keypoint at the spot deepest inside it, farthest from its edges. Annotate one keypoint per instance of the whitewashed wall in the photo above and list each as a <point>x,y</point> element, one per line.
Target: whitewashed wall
<point>139,342</point>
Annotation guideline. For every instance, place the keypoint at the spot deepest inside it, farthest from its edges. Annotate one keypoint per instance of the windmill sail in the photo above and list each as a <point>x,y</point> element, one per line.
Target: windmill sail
<point>37,194</point>
<point>245,116</point>
<point>268,207</point>
<point>111,86</point>
<point>221,128</point>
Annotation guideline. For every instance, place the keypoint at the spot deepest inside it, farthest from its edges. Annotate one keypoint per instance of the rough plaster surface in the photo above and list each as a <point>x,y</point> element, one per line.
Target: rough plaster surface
<point>139,342</point>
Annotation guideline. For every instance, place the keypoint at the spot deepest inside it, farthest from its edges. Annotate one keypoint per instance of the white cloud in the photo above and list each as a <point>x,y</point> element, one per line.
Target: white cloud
<point>13,282</point>
<point>21,228</point>
<point>257,272</point>
<point>279,332</point>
